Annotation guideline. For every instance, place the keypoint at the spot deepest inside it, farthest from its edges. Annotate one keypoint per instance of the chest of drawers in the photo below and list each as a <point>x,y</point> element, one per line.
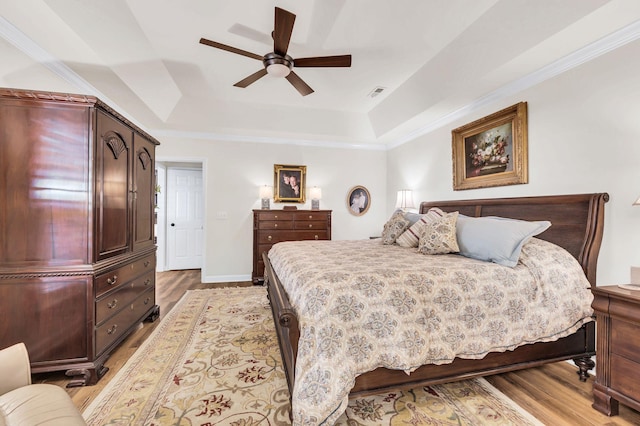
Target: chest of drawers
<point>274,226</point>
<point>617,349</point>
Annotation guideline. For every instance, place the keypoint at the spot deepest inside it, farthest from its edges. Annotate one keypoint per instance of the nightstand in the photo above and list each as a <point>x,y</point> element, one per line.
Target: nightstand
<point>617,349</point>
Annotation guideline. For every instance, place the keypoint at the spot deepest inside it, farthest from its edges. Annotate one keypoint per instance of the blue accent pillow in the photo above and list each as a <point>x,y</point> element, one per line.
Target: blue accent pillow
<point>495,239</point>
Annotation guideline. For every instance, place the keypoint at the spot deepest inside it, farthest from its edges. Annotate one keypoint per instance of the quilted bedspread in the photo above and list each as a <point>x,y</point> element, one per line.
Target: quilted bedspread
<point>363,305</point>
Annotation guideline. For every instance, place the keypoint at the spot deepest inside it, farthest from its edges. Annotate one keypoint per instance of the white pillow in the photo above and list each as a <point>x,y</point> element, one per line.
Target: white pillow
<point>495,239</point>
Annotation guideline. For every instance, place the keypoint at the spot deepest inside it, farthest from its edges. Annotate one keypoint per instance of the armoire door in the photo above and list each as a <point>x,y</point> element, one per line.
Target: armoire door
<point>113,155</point>
<point>143,191</point>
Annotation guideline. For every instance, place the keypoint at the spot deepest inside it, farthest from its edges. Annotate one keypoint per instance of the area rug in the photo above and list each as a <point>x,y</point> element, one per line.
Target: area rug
<point>214,360</point>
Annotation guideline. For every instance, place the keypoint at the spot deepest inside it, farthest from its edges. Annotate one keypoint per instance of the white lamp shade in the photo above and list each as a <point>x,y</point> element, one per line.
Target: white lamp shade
<point>405,199</point>
<point>266,191</point>
<point>278,70</point>
<point>315,193</point>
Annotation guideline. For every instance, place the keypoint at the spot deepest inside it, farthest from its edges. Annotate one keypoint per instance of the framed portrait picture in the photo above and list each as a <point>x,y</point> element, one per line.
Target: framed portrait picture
<point>289,183</point>
<point>492,151</point>
<point>358,200</point>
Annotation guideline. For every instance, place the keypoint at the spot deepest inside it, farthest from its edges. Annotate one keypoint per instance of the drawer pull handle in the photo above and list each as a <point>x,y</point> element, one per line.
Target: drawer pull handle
<point>310,216</point>
<point>276,216</point>
<point>147,300</point>
<point>316,237</point>
<point>112,329</point>
<point>146,263</point>
<point>147,282</point>
<point>112,304</point>
<point>269,238</point>
<point>112,281</point>
<point>275,226</point>
<point>310,225</point>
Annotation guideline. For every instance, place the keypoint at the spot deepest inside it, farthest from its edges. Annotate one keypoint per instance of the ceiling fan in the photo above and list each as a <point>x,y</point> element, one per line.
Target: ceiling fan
<point>278,63</point>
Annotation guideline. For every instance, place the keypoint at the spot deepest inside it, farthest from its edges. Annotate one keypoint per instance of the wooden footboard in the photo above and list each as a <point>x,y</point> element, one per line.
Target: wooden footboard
<point>578,221</point>
<point>285,320</point>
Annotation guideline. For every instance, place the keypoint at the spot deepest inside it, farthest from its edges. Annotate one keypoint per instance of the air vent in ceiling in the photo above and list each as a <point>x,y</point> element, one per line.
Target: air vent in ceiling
<point>376,91</point>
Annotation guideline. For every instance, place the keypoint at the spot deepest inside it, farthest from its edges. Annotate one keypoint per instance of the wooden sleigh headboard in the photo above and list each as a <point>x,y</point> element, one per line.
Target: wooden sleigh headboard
<point>577,221</point>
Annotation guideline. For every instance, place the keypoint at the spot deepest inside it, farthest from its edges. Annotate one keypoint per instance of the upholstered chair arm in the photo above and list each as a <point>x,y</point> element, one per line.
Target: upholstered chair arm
<point>14,368</point>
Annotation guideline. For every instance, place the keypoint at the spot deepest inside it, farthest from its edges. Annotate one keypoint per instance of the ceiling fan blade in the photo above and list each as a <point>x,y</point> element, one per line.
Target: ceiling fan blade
<point>300,85</point>
<point>230,49</point>
<point>324,61</point>
<point>251,79</point>
<point>250,33</point>
<point>282,29</point>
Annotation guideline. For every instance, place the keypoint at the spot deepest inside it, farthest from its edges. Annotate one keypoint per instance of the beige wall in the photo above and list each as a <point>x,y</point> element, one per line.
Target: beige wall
<point>235,171</point>
<point>584,136</point>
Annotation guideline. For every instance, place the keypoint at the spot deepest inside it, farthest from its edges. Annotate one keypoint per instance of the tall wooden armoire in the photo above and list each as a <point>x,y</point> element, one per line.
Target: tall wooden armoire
<point>77,252</point>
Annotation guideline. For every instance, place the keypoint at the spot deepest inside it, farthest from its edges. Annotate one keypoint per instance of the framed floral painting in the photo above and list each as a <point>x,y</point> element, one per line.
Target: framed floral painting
<point>289,183</point>
<point>492,151</point>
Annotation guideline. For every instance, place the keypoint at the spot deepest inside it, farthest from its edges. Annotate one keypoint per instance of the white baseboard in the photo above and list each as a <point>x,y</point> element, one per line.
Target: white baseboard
<point>226,278</point>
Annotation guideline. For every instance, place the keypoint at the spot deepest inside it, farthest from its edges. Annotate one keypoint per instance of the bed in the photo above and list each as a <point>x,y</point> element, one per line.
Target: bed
<point>577,226</point>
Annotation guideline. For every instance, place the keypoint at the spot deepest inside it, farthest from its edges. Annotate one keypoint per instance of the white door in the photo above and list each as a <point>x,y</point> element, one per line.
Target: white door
<point>185,214</point>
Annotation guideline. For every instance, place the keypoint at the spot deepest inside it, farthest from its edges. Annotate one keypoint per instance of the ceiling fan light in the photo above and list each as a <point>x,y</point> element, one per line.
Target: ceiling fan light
<point>278,70</point>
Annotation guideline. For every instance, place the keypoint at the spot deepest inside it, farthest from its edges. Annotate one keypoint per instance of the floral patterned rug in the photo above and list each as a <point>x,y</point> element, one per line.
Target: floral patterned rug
<point>214,360</point>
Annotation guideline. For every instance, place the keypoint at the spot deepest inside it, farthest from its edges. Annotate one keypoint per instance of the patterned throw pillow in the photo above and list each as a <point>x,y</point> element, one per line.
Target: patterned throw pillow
<point>439,236</point>
<point>394,227</point>
<point>410,237</point>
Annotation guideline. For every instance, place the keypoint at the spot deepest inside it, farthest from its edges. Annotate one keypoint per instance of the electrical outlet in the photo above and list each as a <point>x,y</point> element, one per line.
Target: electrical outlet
<point>222,215</point>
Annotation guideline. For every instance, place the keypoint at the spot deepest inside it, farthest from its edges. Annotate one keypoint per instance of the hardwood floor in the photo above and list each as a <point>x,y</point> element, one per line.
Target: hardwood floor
<point>552,393</point>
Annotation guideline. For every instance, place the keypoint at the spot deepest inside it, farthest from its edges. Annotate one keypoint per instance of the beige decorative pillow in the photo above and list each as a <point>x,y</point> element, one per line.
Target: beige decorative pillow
<point>410,237</point>
<point>394,227</point>
<point>439,236</point>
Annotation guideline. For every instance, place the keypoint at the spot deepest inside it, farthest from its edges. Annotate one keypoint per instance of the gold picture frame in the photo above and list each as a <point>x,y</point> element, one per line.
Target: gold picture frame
<point>289,183</point>
<point>358,200</point>
<point>492,151</point>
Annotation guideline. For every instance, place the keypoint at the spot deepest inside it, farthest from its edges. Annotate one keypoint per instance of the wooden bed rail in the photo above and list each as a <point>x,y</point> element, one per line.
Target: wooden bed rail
<point>289,331</point>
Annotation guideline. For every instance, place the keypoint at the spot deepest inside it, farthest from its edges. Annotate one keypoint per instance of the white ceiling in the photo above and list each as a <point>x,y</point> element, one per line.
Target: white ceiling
<point>436,59</point>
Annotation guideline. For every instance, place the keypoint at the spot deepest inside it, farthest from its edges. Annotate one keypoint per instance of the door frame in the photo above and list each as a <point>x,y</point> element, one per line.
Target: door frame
<point>185,162</point>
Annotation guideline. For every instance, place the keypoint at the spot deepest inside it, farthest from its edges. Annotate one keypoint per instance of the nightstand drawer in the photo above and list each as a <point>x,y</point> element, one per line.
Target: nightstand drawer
<point>624,376</point>
<point>621,342</point>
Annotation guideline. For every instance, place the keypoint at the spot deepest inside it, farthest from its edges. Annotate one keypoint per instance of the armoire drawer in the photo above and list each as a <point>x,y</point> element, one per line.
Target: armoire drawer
<point>125,294</point>
<point>117,325</point>
<point>111,280</point>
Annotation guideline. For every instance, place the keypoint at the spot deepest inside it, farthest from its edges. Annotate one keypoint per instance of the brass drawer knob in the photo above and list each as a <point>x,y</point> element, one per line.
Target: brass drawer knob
<point>316,237</point>
<point>112,304</point>
<point>112,281</point>
<point>147,282</point>
<point>310,226</point>
<point>269,238</point>
<point>275,225</point>
<point>112,329</point>
<point>276,216</point>
<point>146,263</point>
<point>310,216</point>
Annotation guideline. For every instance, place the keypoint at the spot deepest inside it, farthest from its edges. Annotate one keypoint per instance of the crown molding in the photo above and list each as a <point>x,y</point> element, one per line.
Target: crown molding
<point>585,54</point>
<point>181,134</point>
